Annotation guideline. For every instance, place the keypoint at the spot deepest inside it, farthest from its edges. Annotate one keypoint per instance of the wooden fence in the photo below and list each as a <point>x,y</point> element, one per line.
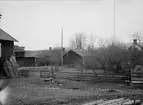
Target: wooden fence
<point>120,101</point>
<point>137,76</point>
<point>48,74</point>
<point>137,79</point>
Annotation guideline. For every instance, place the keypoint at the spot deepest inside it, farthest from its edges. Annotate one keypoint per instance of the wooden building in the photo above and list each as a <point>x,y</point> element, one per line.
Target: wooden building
<point>79,57</point>
<point>47,57</point>
<point>24,57</point>
<point>30,58</point>
<point>6,51</point>
<point>19,54</point>
<point>6,45</point>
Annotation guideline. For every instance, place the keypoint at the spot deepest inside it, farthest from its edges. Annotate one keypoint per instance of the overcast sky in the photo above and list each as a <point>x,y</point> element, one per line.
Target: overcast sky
<point>37,24</point>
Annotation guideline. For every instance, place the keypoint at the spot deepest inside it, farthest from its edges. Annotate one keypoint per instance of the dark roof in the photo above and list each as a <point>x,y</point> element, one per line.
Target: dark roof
<point>82,52</point>
<point>32,53</point>
<point>48,53</point>
<point>44,53</point>
<point>53,55</point>
<point>6,36</point>
<point>18,48</point>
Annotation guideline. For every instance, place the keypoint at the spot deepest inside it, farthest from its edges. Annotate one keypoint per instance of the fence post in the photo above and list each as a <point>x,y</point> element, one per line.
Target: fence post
<point>52,73</point>
<point>106,68</point>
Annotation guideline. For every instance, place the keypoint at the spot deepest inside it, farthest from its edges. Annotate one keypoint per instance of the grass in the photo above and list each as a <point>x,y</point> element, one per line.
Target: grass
<point>33,91</point>
<point>26,93</point>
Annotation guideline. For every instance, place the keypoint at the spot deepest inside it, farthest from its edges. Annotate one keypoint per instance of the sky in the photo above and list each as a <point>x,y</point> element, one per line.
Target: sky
<point>37,24</point>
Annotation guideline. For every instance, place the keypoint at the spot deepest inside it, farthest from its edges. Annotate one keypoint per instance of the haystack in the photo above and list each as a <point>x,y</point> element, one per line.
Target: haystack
<point>10,68</point>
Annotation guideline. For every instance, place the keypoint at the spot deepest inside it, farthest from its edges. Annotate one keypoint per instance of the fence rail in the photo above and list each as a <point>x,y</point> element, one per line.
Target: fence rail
<point>89,76</point>
<point>120,101</point>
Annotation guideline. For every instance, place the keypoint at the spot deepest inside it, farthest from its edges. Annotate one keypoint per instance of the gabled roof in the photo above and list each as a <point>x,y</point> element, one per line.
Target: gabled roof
<point>6,36</point>
<point>49,53</point>
<point>18,49</point>
<point>139,46</point>
<point>136,45</point>
<point>45,53</point>
<point>32,53</point>
<point>81,52</point>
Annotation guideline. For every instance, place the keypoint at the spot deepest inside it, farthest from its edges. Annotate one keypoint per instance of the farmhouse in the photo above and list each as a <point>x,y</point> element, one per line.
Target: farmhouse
<point>137,52</point>
<point>133,56</point>
<point>77,57</point>
<point>6,51</point>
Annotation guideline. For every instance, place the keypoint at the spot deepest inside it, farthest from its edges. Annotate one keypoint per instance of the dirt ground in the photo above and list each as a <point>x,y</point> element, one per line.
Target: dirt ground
<point>33,91</point>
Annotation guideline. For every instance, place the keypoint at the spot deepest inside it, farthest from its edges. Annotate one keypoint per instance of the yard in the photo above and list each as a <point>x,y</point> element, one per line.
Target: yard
<point>63,91</point>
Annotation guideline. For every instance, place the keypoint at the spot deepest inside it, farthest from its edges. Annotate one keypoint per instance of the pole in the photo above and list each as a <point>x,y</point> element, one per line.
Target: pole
<point>0,16</point>
<point>114,19</point>
<point>62,49</point>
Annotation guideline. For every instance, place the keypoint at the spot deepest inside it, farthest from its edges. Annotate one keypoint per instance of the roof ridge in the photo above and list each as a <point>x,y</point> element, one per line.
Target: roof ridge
<point>6,36</point>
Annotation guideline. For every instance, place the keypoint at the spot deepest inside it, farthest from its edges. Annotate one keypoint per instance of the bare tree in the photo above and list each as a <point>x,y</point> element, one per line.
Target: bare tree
<point>111,55</point>
<point>91,43</point>
<point>78,41</point>
<point>101,42</point>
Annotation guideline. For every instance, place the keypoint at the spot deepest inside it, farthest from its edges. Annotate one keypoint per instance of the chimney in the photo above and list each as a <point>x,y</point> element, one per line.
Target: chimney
<point>135,41</point>
<point>50,48</point>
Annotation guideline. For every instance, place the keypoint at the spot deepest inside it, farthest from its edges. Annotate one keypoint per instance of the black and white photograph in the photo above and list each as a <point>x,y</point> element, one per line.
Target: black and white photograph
<point>71,52</point>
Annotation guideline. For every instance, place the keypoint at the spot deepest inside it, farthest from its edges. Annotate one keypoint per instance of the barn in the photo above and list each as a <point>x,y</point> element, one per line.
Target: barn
<point>47,57</point>
<point>25,57</point>
<point>30,58</point>
<point>19,54</point>
<point>6,44</point>
<point>6,48</point>
<point>77,57</point>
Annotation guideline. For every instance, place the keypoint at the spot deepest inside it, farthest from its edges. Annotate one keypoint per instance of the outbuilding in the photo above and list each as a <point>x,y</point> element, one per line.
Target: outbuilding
<point>79,57</point>
<point>6,50</point>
